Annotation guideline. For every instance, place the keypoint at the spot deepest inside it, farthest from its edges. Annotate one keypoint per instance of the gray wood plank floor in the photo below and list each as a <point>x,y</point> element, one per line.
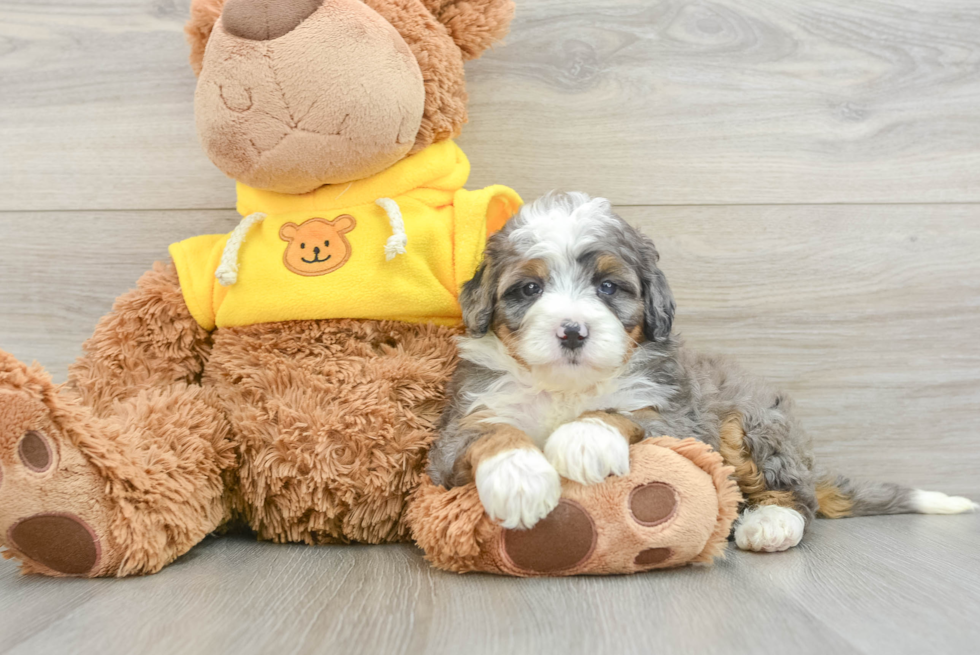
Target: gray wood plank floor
<point>809,171</point>
<point>908,584</point>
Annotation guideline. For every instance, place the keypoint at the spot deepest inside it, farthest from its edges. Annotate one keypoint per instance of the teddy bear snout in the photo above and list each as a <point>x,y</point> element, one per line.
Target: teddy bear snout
<point>264,20</point>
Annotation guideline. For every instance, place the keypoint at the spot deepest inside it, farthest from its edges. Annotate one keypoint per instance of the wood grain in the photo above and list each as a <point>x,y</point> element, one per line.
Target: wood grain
<point>62,270</point>
<point>668,102</point>
<point>734,101</point>
<point>868,315</point>
<point>907,584</point>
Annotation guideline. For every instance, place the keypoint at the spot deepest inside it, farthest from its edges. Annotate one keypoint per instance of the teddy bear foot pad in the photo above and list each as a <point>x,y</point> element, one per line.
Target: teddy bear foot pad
<point>566,538</point>
<point>49,516</point>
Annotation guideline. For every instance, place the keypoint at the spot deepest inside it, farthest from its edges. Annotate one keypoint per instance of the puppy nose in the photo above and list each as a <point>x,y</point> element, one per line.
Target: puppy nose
<point>316,250</point>
<point>572,335</point>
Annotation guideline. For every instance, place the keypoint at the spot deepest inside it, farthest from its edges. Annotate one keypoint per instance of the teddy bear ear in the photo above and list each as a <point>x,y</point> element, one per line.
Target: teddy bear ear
<point>288,231</point>
<point>475,25</point>
<point>204,14</point>
<point>344,223</point>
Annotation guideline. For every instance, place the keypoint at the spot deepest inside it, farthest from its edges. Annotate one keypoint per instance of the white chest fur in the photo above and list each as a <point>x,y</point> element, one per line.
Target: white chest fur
<point>539,403</point>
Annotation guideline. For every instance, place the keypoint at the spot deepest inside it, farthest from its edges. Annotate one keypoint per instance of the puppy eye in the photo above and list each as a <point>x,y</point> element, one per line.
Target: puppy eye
<point>531,289</point>
<point>326,243</point>
<point>608,288</point>
<point>302,245</point>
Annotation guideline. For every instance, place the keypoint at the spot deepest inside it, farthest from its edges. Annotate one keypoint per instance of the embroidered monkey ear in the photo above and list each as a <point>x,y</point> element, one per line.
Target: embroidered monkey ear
<point>475,25</point>
<point>288,231</point>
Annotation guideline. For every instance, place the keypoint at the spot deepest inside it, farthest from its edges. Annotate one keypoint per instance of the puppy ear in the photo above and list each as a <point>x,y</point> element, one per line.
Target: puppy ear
<point>475,25</point>
<point>478,299</point>
<point>658,300</point>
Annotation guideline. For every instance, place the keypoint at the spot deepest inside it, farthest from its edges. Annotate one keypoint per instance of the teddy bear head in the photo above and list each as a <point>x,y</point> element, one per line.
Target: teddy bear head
<point>295,94</point>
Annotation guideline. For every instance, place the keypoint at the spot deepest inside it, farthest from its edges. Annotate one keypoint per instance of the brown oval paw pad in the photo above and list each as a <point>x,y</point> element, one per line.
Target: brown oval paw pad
<point>35,451</point>
<point>652,556</point>
<point>61,542</point>
<point>652,504</point>
<point>559,542</point>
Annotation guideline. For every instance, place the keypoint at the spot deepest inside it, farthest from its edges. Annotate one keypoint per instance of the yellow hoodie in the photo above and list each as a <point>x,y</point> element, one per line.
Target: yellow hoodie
<point>398,245</point>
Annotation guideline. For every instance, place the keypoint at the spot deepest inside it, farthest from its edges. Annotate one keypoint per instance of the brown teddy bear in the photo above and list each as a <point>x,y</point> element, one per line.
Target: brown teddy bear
<point>289,375</point>
<point>197,402</point>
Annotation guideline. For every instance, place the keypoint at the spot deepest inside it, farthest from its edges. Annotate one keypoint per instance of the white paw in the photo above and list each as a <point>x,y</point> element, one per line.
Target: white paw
<point>588,451</point>
<point>769,528</point>
<point>936,502</point>
<point>518,487</point>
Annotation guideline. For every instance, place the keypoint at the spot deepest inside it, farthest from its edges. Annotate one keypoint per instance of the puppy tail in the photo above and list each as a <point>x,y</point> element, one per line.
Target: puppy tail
<point>839,497</point>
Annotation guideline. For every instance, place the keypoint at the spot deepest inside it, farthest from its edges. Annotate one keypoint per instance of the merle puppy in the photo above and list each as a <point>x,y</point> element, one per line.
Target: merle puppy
<point>569,346</point>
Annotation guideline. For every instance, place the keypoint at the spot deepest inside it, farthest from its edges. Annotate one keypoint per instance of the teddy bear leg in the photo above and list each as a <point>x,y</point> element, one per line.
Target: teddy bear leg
<point>674,507</point>
<point>120,471</point>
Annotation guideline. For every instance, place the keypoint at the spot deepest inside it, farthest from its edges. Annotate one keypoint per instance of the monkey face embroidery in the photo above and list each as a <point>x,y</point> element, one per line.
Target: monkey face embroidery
<point>317,246</point>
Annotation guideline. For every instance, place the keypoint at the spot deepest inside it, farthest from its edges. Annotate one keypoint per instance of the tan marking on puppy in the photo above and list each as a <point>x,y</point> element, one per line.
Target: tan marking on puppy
<point>611,266</point>
<point>630,429</point>
<point>832,502</point>
<point>496,439</point>
<point>532,269</point>
<point>509,338</point>
<point>747,474</point>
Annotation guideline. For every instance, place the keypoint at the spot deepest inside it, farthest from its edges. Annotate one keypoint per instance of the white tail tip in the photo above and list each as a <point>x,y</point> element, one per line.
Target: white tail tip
<point>936,502</point>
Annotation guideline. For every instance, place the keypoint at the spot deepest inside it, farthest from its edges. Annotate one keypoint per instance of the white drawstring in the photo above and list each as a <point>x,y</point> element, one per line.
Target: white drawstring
<point>398,240</point>
<point>227,272</point>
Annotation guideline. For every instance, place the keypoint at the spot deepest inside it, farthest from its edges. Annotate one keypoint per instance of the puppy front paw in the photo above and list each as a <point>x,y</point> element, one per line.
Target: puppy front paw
<point>769,528</point>
<point>588,451</point>
<point>518,487</point>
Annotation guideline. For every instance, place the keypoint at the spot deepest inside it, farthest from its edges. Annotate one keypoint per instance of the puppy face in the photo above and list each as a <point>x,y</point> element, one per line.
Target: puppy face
<point>570,288</point>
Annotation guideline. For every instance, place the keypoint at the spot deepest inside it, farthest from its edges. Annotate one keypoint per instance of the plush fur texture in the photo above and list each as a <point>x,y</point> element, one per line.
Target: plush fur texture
<point>306,431</point>
<point>415,95</point>
<point>333,420</point>
<point>475,25</point>
<point>142,448</point>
